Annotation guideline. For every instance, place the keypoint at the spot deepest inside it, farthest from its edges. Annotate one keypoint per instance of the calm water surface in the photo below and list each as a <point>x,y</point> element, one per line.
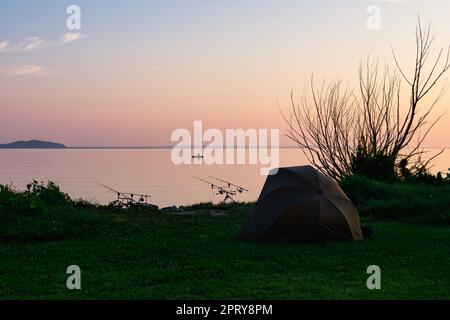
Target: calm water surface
<point>148,171</point>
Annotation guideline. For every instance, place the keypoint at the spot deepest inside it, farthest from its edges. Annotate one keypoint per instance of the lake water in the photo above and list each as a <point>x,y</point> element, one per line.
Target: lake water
<point>148,171</point>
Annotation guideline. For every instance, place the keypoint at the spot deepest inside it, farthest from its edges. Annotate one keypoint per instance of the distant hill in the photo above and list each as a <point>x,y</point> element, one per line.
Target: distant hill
<point>32,144</point>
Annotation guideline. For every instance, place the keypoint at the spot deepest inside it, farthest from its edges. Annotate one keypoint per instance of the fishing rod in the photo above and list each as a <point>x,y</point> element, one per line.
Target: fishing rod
<point>213,185</point>
<point>239,188</point>
<point>221,190</point>
<point>126,195</point>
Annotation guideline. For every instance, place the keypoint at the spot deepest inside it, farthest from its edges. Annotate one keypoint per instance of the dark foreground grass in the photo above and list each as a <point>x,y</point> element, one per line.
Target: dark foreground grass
<point>155,255</point>
<point>195,257</point>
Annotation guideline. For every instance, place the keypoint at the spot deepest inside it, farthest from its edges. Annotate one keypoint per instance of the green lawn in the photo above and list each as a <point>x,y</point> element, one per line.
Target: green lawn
<point>129,254</point>
<point>160,256</point>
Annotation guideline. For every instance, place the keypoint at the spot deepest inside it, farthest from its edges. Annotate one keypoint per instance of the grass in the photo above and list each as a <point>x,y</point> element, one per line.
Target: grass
<point>156,255</point>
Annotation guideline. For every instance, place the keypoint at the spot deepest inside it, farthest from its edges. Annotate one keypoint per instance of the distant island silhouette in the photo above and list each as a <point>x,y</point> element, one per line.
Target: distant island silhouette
<point>32,144</point>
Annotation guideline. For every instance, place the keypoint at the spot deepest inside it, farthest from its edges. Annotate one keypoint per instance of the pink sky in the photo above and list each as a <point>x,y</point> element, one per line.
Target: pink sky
<point>134,82</point>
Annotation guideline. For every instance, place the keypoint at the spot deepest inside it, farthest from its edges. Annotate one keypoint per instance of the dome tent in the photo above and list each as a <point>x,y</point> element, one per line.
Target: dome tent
<point>300,204</point>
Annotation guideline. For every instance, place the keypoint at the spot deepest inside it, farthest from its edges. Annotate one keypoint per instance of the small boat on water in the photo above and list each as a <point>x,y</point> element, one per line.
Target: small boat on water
<point>198,156</point>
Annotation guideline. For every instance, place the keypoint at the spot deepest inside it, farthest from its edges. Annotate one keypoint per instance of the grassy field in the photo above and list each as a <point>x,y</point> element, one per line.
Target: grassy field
<point>156,255</point>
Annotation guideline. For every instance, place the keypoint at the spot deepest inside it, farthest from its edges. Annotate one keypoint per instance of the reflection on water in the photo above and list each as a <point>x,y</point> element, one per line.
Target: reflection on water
<point>151,171</point>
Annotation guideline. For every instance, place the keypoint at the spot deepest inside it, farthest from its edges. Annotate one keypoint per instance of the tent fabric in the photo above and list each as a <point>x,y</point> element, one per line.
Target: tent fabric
<point>300,204</point>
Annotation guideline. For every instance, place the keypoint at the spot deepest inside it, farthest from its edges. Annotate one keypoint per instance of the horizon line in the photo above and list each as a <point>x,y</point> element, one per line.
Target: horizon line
<point>161,147</point>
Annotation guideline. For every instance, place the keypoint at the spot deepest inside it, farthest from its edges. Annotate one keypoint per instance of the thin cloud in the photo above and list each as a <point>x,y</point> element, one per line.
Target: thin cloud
<point>28,44</point>
<point>71,36</point>
<point>24,70</point>
<point>33,43</point>
<point>3,45</point>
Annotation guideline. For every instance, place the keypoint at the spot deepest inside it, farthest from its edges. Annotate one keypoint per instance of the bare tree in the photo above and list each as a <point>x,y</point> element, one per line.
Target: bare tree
<point>333,124</point>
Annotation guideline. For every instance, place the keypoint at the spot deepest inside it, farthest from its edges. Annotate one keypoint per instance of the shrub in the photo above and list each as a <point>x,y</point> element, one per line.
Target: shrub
<point>379,166</point>
<point>49,194</point>
<point>422,175</point>
<point>42,212</point>
<point>414,202</point>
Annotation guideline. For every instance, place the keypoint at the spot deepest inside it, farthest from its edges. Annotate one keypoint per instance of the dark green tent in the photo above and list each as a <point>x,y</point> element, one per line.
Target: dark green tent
<point>300,204</point>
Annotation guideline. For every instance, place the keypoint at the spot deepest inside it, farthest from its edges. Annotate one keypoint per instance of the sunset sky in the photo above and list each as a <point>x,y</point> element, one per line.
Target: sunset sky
<point>137,70</point>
